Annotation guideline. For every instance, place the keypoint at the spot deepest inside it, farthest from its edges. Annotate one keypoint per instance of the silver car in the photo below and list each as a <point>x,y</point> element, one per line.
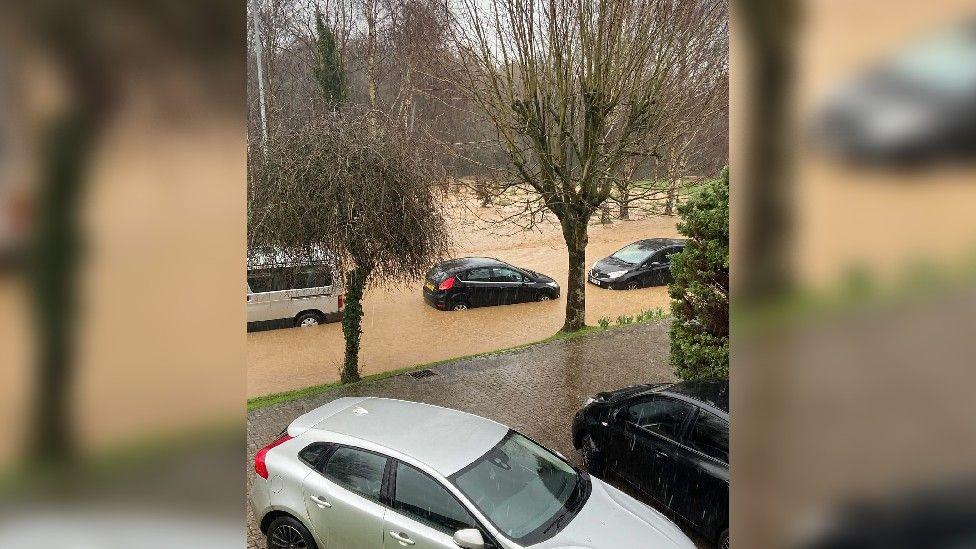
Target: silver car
<point>371,473</point>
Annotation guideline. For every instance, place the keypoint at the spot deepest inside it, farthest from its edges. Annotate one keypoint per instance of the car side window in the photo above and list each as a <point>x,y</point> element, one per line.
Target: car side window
<point>502,274</point>
<point>481,274</point>
<point>670,252</point>
<point>259,280</point>
<point>423,499</point>
<point>313,453</point>
<point>357,470</point>
<point>662,415</point>
<point>710,436</point>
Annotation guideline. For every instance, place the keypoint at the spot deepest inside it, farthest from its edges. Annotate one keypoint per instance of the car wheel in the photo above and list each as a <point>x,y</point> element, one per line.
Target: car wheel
<point>545,297</point>
<point>288,533</point>
<point>460,306</point>
<point>592,458</point>
<point>632,285</point>
<point>723,540</point>
<point>307,319</point>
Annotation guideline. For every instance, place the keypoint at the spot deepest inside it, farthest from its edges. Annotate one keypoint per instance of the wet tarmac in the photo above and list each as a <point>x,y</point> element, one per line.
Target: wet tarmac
<point>536,390</point>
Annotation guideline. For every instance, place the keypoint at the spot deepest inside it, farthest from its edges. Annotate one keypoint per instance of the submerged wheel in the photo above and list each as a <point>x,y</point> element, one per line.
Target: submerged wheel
<point>307,319</point>
<point>288,533</point>
<point>545,297</point>
<point>632,285</point>
<point>723,540</point>
<point>460,306</point>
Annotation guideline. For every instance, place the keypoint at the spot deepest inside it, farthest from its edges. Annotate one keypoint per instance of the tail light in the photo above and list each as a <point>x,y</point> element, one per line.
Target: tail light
<point>447,284</point>
<point>260,467</point>
<point>342,301</point>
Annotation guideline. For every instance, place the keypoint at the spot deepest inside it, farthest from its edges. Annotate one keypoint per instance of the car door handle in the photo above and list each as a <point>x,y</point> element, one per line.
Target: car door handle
<point>320,501</point>
<point>402,538</point>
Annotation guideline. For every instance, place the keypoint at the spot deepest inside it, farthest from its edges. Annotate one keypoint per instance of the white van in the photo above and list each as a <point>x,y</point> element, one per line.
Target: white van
<point>296,293</point>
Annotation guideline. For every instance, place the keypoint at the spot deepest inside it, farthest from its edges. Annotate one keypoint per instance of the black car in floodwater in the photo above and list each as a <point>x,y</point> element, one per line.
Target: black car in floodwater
<point>670,442</point>
<point>638,265</point>
<point>459,284</point>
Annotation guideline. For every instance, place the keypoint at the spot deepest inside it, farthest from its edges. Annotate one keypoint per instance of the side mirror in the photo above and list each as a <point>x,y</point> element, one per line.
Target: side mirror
<point>469,538</point>
<point>655,264</point>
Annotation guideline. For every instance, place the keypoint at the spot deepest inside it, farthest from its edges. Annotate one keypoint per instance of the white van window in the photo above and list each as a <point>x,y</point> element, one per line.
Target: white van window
<point>288,278</point>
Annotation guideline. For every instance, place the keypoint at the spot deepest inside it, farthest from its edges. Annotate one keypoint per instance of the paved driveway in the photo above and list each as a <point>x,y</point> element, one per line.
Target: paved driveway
<point>535,390</point>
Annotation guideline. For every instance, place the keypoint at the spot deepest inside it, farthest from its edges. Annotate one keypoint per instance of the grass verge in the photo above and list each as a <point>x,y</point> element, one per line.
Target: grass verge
<point>287,396</point>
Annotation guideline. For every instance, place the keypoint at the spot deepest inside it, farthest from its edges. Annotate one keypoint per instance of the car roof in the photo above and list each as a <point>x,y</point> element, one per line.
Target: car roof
<point>468,262</point>
<point>445,440</point>
<point>714,394</point>
<point>658,243</point>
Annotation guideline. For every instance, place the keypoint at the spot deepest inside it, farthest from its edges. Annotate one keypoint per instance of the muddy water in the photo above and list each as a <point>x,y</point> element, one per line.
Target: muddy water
<point>400,330</point>
<point>883,220</point>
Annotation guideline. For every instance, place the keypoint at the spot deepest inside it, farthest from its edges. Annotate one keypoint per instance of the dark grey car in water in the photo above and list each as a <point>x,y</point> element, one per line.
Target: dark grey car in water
<point>638,265</point>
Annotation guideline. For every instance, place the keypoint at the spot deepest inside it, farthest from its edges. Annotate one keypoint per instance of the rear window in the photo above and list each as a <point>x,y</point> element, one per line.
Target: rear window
<point>288,278</point>
<point>436,275</point>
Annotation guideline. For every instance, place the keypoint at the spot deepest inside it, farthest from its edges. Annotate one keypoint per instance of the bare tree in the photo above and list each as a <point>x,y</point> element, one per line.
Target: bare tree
<point>573,89</point>
<point>359,190</point>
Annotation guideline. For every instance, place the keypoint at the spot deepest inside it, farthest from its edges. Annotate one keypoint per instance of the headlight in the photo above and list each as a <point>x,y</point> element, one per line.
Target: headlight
<point>616,274</point>
<point>589,401</point>
<point>553,284</point>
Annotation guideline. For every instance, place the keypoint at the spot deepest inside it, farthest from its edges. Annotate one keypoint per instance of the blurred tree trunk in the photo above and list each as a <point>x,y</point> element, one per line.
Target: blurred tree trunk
<point>574,228</point>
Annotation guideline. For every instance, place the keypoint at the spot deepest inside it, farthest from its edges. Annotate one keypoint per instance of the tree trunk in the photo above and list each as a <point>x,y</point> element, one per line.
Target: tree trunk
<point>605,214</point>
<point>672,196</point>
<point>369,7</point>
<point>54,265</point>
<point>624,188</point>
<point>352,319</point>
<point>575,234</point>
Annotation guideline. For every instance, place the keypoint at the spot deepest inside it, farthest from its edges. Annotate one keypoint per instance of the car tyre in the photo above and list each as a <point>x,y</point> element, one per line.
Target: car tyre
<point>591,455</point>
<point>632,285</point>
<point>723,539</point>
<point>545,297</point>
<point>460,306</point>
<point>288,533</point>
<point>308,319</point>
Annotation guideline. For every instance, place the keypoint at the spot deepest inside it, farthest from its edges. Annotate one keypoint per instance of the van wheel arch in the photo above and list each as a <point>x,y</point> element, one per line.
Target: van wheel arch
<point>313,313</point>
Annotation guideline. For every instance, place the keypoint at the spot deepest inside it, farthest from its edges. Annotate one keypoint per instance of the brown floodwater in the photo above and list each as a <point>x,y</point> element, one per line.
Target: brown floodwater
<point>400,330</point>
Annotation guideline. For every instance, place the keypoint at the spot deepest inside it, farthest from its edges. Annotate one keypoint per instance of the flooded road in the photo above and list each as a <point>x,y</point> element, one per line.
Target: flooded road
<point>400,330</point>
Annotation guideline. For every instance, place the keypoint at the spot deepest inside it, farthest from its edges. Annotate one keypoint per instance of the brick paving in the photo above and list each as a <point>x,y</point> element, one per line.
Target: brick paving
<point>535,390</point>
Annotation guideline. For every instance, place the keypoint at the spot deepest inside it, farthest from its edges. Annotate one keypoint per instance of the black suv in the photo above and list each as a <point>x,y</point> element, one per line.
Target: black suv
<point>459,284</point>
<point>643,263</point>
<point>670,442</point>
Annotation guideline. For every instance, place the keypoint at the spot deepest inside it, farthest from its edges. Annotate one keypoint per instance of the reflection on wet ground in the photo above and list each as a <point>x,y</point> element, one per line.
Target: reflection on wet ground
<point>536,390</point>
<point>400,330</point>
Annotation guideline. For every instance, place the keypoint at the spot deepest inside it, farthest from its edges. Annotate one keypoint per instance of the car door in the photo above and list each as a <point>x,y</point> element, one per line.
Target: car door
<point>700,491</point>
<point>507,284</point>
<point>477,284</point>
<point>424,514</point>
<point>343,499</point>
<point>651,428</point>
<point>656,269</point>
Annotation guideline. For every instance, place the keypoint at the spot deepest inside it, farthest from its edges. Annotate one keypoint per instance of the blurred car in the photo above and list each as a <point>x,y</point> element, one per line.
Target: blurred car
<point>364,473</point>
<point>459,284</point>
<point>916,105</point>
<point>638,265</point>
<point>669,442</point>
<point>292,290</point>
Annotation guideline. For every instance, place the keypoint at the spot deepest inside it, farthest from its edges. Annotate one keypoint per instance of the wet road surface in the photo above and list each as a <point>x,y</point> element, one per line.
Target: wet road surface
<point>536,390</point>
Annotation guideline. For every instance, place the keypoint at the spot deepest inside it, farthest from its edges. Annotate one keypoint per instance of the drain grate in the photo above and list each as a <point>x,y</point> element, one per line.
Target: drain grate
<point>420,374</point>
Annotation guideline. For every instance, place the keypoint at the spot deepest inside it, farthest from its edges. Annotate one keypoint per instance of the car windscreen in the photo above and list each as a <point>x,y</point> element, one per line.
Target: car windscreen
<point>634,254</point>
<point>523,489</point>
